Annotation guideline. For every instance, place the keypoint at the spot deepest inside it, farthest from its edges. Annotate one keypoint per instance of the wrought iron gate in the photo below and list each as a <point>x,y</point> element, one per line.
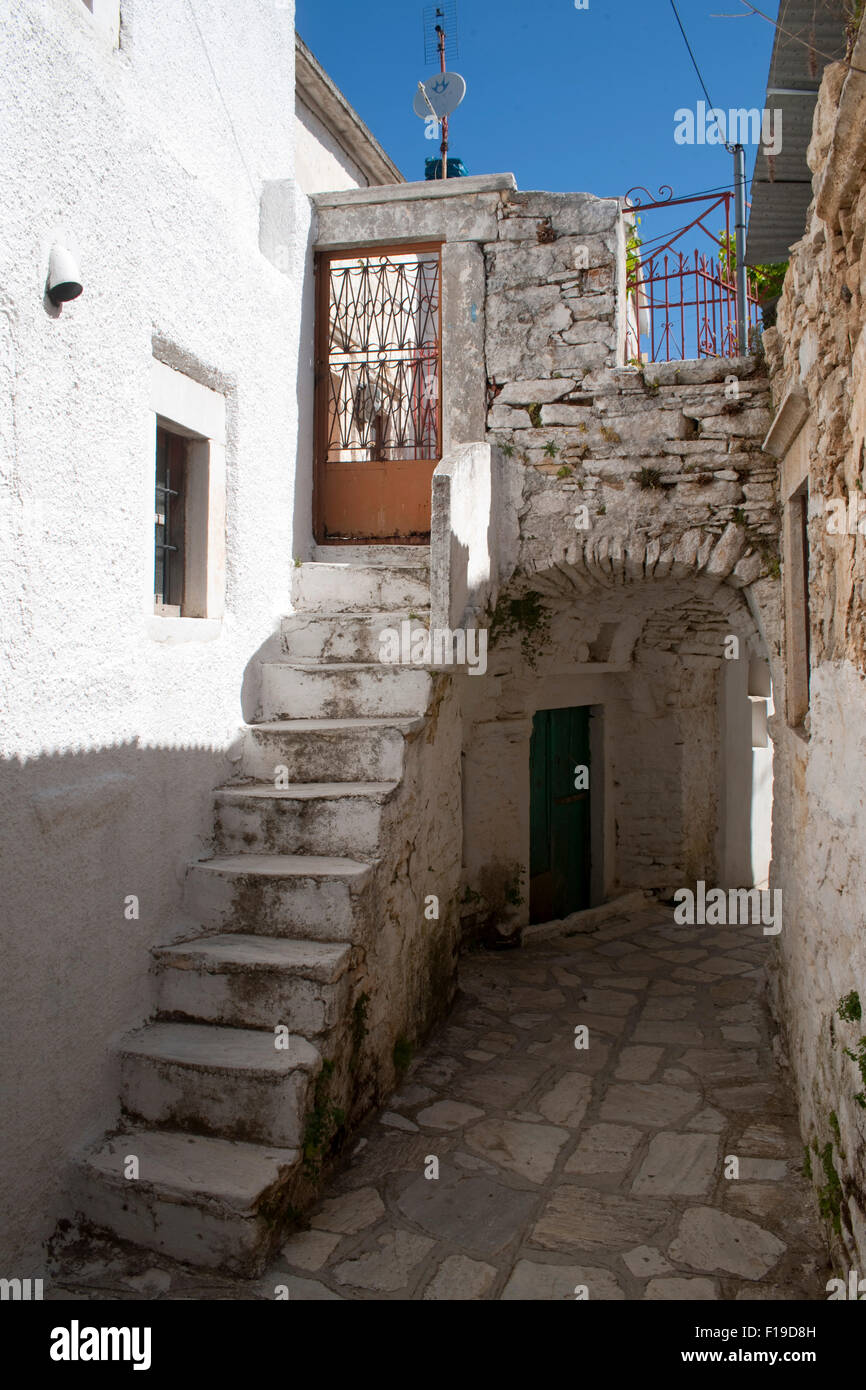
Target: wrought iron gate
<point>378,387</point>
<point>683,304</point>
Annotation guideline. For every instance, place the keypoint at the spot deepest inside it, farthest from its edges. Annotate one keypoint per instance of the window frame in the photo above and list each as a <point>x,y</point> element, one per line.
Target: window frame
<point>795,560</point>
<point>195,413</point>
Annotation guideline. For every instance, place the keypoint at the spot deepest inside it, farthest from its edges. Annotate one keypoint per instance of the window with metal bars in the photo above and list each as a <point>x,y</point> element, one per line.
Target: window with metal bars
<point>170,508</point>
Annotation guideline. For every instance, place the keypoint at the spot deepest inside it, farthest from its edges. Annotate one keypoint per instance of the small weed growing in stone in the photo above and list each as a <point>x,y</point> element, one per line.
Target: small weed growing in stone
<point>564,471</point>
<point>551,449</point>
<point>323,1122</point>
<point>830,1195</point>
<point>513,895</point>
<point>652,388</point>
<point>402,1055</point>
<point>649,478</point>
<point>359,1029</point>
<point>833,1121</point>
<point>526,615</point>
<point>860,1058</point>
<point>534,413</point>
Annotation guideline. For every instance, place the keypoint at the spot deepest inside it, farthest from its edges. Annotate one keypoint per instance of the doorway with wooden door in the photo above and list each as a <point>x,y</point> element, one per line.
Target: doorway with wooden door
<point>559,813</point>
<point>378,410</point>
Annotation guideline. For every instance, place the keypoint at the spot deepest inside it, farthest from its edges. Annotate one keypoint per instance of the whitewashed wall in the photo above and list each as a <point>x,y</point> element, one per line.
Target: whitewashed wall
<point>148,159</point>
<point>321,163</point>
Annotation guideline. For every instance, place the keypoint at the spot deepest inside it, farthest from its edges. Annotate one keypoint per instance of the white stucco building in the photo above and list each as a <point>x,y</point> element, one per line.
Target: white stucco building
<point>139,135</point>
<point>301,403</point>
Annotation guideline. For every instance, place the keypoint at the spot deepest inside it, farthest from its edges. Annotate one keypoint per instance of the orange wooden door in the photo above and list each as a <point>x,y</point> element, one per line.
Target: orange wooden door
<point>378,406</point>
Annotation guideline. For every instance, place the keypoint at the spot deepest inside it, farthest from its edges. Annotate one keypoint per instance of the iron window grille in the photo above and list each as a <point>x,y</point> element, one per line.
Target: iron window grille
<point>171,468</point>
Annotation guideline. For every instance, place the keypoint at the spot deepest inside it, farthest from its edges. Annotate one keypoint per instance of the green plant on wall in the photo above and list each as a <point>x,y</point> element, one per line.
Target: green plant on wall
<point>526,615</point>
<point>402,1055</point>
<point>649,478</point>
<point>850,1010</point>
<point>765,280</point>
<point>359,1029</point>
<point>512,888</point>
<point>632,251</point>
<point>323,1122</point>
<point>830,1192</point>
<point>853,10</point>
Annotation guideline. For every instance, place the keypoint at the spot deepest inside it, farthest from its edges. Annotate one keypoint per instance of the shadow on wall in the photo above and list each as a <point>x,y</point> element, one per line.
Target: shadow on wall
<point>93,851</point>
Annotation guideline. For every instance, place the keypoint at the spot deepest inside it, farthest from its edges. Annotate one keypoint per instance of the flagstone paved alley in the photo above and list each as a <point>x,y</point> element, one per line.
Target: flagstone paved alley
<point>560,1168</point>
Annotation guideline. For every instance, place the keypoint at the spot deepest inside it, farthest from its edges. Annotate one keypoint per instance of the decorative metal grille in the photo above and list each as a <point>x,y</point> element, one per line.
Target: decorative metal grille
<point>383,357</point>
<point>684,305</point>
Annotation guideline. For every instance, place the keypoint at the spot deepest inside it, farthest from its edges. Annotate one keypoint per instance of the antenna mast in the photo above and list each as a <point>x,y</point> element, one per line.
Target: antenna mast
<point>443,148</point>
<point>440,95</point>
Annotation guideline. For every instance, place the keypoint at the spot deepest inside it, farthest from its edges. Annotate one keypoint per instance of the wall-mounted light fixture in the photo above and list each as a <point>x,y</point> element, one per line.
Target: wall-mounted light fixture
<point>64,277</point>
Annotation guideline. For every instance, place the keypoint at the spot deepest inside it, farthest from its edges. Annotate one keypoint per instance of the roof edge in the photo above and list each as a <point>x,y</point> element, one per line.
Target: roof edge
<point>424,188</point>
<point>321,95</point>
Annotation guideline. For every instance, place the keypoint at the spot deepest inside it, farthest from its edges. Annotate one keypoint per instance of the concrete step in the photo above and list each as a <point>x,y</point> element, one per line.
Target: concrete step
<point>341,818</point>
<point>342,588</point>
<point>229,1082</point>
<point>412,556</point>
<point>303,896</point>
<point>340,690</point>
<point>255,982</point>
<point>352,637</point>
<point>211,1202</point>
<point>328,750</point>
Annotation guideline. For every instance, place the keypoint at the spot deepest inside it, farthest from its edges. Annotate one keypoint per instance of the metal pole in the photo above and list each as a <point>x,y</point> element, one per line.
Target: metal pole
<point>444,147</point>
<point>740,252</point>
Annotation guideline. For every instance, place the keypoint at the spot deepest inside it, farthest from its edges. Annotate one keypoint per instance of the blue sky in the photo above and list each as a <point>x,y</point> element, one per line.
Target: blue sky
<point>565,99</point>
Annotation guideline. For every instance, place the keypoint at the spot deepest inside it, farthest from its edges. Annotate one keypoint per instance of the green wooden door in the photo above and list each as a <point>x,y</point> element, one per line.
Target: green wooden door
<point>559,824</point>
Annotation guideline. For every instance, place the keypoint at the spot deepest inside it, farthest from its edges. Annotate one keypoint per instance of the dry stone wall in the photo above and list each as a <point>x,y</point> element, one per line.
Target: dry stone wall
<point>818,349</point>
<point>648,529</point>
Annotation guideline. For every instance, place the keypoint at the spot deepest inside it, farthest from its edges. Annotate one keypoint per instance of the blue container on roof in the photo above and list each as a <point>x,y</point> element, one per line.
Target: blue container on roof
<point>456,168</point>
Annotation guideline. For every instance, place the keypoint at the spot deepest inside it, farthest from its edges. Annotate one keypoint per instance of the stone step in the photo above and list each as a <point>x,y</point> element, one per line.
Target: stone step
<point>230,1082</point>
<point>341,818</point>
<point>342,588</point>
<point>351,637</point>
<point>254,982</point>
<point>339,690</point>
<point>211,1202</point>
<point>413,556</point>
<point>328,750</point>
<point>303,896</point>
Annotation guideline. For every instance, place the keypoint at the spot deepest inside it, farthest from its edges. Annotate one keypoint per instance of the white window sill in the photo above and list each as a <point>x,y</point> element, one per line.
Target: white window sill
<point>174,630</point>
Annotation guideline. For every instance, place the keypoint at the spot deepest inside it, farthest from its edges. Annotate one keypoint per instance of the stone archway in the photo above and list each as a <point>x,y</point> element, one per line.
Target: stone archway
<point>660,649</point>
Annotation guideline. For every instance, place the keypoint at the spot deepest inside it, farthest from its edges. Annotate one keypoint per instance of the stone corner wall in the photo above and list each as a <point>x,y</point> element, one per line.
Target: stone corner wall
<point>818,347</point>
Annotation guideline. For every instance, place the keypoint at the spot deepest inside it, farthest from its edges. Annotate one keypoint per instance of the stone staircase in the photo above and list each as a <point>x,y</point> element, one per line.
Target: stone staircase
<point>209,1155</point>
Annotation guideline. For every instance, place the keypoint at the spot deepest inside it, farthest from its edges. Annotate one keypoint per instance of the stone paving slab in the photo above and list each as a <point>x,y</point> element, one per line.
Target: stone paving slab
<point>562,1168</point>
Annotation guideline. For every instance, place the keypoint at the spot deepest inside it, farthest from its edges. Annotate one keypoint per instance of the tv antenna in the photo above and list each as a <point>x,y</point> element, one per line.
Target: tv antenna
<point>440,95</point>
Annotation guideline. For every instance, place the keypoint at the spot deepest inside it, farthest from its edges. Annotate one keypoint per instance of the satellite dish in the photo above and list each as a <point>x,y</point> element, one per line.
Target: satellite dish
<point>444,92</point>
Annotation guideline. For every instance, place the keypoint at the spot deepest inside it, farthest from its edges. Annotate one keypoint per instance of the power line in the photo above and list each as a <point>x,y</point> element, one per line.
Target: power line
<point>222,99</point>
<point>695,63</point>
<point>796,37</point>
<point>691,54</point>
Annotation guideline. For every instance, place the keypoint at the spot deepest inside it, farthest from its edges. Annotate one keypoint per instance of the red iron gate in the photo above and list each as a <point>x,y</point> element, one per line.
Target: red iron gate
<point>683,304</point>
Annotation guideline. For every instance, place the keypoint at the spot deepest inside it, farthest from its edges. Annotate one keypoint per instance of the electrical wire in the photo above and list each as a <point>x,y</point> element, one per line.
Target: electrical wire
<point>222,99</point>
<point>729,148</point>
<point>796,37</point>
<point>691,55</point>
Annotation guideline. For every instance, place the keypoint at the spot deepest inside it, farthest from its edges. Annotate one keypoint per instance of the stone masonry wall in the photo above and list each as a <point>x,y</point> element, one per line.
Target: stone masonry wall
<point>648,526</point>
<point>818,348</point>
